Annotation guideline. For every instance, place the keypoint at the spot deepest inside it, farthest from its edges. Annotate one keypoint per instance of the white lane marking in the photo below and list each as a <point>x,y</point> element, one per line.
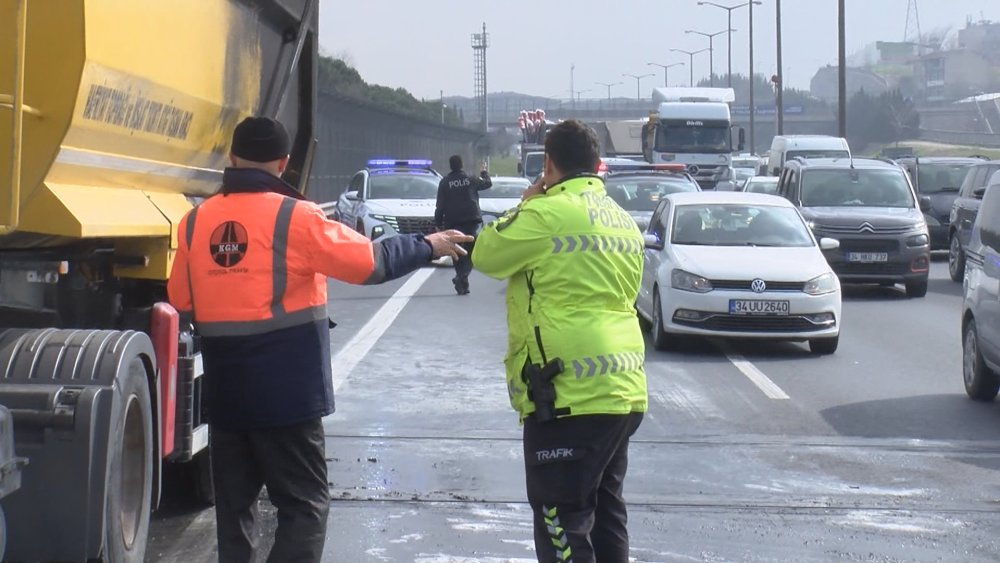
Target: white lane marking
<point>756,376</point>
<point>358,347</point>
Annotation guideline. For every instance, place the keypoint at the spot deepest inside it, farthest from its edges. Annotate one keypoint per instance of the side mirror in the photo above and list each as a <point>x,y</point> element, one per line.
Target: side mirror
<point>978,193</point>
<point>652,242</point>
<point>829,244</point>
<point>925,204</point>
<point>520,168</point>
<point>353,195</point>
<point>743,138</point>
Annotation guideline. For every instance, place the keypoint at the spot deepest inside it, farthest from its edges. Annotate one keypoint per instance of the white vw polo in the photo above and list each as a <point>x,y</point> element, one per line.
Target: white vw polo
<point>737,265</point>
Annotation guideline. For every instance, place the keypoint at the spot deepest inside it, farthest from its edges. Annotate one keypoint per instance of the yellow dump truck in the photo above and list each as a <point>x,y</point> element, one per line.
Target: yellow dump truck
<point>115,118</point>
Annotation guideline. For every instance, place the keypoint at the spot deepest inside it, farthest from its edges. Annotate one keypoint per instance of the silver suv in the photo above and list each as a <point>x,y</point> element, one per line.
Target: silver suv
<point>980,310</point>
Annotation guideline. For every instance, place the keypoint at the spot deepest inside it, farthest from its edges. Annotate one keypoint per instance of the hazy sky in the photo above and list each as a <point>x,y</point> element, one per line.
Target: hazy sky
<point>425,45</point>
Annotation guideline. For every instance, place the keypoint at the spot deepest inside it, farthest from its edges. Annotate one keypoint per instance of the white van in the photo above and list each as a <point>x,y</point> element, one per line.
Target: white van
<point>785,147</point>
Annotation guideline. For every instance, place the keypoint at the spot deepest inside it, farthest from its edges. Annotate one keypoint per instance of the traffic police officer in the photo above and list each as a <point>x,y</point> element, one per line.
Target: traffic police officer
<point>573,261</point>
<point>458,208</point>
<point>251,268</point>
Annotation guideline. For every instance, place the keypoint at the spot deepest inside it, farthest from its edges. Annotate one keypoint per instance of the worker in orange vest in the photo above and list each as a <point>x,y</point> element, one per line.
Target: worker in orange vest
<point>251,268</point>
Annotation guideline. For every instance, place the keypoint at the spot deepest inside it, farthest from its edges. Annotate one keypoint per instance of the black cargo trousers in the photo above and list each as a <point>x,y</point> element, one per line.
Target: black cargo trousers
<point>291,462</point>
<point>575,469</point>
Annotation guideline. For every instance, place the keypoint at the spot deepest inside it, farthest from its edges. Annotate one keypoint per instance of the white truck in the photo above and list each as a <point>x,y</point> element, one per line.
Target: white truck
<point>693,126</point>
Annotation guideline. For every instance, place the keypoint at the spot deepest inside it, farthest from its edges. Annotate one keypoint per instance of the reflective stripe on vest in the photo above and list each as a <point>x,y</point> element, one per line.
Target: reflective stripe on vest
<point>280,319</point>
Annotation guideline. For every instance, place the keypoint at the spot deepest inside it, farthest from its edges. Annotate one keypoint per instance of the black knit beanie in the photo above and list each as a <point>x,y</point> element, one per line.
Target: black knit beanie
<point>260,139</point>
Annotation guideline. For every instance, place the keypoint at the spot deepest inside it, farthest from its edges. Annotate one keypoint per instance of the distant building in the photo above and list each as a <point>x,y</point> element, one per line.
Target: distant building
<point>824,84</point>
<point>949,75</point>
<point>981,37</point>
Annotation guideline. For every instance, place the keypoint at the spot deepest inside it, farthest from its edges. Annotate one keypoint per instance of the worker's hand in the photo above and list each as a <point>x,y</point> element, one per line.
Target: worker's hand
<point>446,243</point>
<point>538,188</point>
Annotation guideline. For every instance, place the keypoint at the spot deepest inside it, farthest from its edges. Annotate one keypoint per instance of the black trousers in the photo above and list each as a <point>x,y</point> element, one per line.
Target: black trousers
<point>463,266</point>
<point>291,462</point>
<point>575,469</point>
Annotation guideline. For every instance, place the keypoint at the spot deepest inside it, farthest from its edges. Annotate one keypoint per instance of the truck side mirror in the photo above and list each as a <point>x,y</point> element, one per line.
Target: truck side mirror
<point>520,168</point>
<point>743,138</point>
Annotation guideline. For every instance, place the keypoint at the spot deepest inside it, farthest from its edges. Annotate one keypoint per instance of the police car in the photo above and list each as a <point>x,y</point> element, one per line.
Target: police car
<point>390,197</point>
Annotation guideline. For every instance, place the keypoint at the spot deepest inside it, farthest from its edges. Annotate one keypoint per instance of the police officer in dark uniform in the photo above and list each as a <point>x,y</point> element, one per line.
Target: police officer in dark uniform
<point>458,208</point>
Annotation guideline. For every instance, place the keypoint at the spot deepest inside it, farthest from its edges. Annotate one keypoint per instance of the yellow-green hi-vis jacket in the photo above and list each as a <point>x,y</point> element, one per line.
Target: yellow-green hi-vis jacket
<point>573,261</point>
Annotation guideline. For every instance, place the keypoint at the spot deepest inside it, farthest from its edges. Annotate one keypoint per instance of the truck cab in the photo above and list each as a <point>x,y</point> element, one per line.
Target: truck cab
<point>693,126</point>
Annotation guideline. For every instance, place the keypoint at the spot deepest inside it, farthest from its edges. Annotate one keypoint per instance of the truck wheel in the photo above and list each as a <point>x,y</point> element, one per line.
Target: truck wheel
<point>130,471</point>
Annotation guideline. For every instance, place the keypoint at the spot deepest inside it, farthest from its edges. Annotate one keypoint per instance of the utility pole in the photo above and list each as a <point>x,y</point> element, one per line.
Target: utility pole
<point>780,86</point>
<point>480,42</point>
<point>690,55</point>
<point>666,71</point>
<point>753,107</point>
<point>572,87</point>
<point>842,74</point>
<point>711,51</point>
<point>442,107</point>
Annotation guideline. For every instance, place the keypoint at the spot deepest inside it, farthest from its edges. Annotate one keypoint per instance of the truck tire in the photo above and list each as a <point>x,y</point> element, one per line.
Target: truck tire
<point>130,470</point>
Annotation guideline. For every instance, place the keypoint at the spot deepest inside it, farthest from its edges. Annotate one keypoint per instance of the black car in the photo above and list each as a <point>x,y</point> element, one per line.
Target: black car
<point>871,208</point>
<point>963,214</point>
<point>639,189</point>
<point>938,178</point>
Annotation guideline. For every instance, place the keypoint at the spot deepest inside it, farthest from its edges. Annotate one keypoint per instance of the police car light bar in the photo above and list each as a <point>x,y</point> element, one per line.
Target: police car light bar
<point>390,163</point>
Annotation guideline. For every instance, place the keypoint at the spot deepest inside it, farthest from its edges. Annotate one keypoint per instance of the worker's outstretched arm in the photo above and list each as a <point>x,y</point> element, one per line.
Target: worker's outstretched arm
<point>483,182</point>
<point>341,253</point>
<point>514,243</point>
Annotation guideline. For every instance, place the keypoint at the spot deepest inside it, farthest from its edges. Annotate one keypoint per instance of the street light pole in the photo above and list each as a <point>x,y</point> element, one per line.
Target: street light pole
<point>753,107</point>
<point>638,80</point>
<point>608,85</point>
<point>780,102</point>
<point>729,40</point>
<point>666,69</point>
<point>711,51</point>
<point>842,74</point>
<point>691,55</point>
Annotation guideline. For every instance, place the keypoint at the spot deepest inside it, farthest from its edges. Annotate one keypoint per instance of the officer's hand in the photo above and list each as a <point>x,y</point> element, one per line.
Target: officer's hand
<point>538,188</point>
<point>446,243</point>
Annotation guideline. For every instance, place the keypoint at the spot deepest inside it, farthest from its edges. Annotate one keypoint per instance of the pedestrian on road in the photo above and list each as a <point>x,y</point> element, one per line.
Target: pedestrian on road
<point>572,259</point>
<point>458,208</point>
<point>251,270</point>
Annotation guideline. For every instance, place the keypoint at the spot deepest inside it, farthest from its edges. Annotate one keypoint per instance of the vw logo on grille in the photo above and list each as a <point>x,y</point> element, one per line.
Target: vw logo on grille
<point>758,286</point>
<point>693,168</point>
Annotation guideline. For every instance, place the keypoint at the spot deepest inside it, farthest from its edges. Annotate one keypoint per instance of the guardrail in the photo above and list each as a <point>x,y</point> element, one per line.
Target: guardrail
<point>984,140</point>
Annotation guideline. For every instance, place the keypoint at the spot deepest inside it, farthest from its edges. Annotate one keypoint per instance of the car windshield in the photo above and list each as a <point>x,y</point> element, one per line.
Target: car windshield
<point>533,164</point>
<point>740,174</point>
<point>396,185</point>
<point>643,193</point>
<point>763,186</point>
<point>845,187</point>
<point>731,224</point>
<point>817,153</point>
<point>940,177</point>
<point>739,225</point>
<point>507,188</point>
<point>671,137</point>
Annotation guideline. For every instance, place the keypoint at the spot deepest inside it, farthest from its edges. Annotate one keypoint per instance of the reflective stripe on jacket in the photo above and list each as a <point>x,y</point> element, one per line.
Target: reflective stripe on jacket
<point>573,261</point>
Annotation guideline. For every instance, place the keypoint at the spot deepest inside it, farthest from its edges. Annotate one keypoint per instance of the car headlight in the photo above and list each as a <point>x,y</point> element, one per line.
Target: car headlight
<point>917,240</point>
<point>686,281</point>
<point>821,285</point>
<point>388,219</point>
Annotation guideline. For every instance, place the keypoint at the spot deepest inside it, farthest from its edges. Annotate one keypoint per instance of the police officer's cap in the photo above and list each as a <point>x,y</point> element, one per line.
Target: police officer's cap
<point>260,139</point>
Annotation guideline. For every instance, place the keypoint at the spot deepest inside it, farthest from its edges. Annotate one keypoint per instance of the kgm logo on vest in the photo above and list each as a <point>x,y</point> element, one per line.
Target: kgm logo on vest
<point>228,244</point>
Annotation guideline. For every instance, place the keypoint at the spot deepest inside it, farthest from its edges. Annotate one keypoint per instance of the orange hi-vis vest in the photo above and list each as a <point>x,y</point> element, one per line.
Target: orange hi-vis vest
<point>252,263</point>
